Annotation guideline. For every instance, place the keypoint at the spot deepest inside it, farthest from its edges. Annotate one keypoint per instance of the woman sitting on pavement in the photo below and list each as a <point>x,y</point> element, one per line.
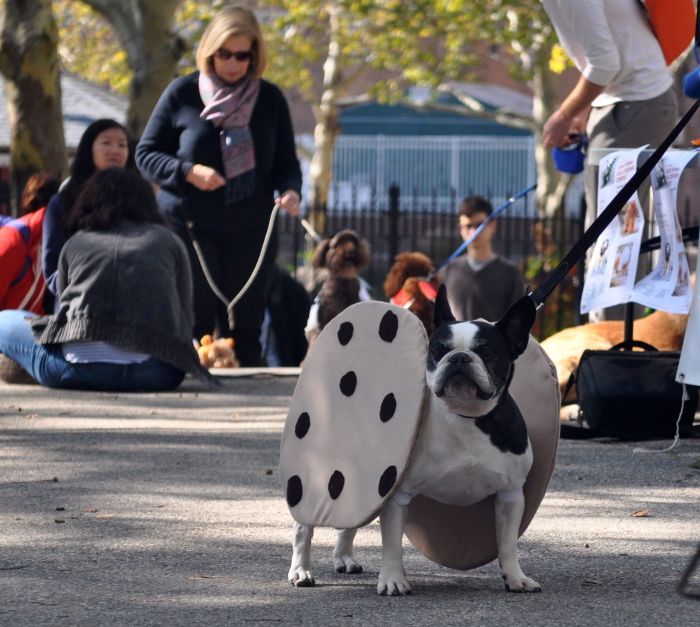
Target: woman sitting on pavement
<point>104,144</point>
<point>21,282</point>
<point>124,316</point>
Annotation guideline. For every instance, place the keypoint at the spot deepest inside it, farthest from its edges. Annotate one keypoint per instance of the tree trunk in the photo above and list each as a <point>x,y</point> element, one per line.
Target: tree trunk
<point>326,129</point>
<point>145,29</point>
<point>551,184</point>
<point>29,63</point>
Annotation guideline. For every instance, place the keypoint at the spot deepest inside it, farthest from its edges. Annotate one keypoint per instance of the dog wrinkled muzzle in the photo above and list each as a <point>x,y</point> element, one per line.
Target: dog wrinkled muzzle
<point>463,375</point>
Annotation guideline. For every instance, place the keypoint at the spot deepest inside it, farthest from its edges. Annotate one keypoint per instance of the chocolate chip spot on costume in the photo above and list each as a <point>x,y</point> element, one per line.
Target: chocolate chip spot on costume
<point>388,408</point>
<point>387,481</point>
<point>345,333</point>
<point>303,425</point>
<point>388,326</point>
<point>348,383</point>
<point>294,490</point>
<point>336,484</point>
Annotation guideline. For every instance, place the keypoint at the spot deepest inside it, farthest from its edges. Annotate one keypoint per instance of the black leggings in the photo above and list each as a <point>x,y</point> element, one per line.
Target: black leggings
<point>231,258</point>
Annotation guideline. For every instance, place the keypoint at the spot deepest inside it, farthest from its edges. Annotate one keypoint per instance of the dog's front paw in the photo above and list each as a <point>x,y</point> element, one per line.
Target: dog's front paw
<point>301,578</point>
<point>520,583</point>
<point>346,564</point>
<point>393,583</point>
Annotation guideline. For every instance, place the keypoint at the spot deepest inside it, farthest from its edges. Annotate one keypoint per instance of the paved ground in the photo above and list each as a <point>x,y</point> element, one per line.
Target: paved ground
<point>164,509</point>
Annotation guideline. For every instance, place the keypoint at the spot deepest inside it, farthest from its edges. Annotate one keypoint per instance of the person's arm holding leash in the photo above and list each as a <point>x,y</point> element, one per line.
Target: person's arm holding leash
<point>584,34</point>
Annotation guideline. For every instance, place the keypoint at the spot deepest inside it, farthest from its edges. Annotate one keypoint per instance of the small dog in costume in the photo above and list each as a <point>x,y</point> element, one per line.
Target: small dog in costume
<point>404,419</point>
<point>410,284</point>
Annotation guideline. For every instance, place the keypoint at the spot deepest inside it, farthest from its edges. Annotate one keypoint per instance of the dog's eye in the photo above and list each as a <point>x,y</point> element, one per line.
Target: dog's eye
<point>437,352</point>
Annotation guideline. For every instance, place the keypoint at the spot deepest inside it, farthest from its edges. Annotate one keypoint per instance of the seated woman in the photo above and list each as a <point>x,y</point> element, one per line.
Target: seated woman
<point>103,144</point>
<point>21,282</point>
<point>124,317</point>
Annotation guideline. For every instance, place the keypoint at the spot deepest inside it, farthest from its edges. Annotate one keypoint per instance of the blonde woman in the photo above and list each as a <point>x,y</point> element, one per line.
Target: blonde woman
<point>219,144</point>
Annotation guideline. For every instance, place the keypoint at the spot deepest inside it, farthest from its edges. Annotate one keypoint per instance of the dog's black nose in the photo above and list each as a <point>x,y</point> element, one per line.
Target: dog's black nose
<point>461,358</point>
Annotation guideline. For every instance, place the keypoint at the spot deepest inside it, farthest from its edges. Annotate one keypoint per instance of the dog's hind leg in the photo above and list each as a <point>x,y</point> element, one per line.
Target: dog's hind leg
<point>392,576</point>
<point>300,569</point>
<point>510,506</point>
<point>343,559</point>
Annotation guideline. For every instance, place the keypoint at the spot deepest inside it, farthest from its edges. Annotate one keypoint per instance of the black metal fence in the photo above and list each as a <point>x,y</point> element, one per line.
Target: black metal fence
<point>536,244</point>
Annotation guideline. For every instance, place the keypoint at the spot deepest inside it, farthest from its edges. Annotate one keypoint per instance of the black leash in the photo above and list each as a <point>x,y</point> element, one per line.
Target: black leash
<point>606,217</point>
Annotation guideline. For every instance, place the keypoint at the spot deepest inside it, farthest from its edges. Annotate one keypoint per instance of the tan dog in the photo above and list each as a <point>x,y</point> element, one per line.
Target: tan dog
<point>661,329</point>
<point>410,284</point>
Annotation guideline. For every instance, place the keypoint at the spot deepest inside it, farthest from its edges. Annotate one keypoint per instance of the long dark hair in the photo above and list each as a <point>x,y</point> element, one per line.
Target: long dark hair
<point>112,196</point>
<point>37,192</point>
<point>83,166</point>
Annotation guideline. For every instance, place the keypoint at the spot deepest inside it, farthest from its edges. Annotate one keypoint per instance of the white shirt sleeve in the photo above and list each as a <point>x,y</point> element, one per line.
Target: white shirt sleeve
<point>584,33</point>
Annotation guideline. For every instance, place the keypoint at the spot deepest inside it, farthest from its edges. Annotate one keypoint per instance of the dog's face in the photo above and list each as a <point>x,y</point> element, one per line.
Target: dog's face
<point>470,364</point>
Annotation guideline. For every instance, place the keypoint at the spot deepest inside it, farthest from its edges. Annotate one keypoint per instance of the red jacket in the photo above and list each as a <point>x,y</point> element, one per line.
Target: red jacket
<point>21,280</point>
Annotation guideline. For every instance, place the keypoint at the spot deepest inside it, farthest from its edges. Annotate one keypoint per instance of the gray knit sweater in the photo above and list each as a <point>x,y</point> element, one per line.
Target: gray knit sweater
<point>129,286</point>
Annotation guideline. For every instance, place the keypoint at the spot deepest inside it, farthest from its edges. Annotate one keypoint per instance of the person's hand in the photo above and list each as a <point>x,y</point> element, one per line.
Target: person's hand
<point>556,130</point>
<point>205,178</point>
<point>289,201</point>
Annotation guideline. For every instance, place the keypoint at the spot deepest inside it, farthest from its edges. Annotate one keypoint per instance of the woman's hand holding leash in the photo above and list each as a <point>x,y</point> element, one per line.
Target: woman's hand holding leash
<point>289,201</point>
<point>205,178</point>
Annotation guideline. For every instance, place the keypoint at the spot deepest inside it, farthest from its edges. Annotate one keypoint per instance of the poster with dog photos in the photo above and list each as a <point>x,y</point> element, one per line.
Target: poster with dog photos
<point>613,265</point>
<point>667,286</point>
<point>610,275</point>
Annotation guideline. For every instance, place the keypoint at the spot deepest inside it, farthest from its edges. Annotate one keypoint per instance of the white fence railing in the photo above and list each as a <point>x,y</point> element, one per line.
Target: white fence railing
<point>434,171</point>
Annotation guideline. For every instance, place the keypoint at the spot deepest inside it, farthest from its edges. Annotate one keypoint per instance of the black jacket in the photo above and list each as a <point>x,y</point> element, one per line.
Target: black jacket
<point>176,137</point>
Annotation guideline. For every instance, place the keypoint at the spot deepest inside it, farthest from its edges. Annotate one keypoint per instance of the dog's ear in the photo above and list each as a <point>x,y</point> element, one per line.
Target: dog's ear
<point>516,324</point>
<point>442,314</point>
<point>364,254</point>
<point>318,259</point>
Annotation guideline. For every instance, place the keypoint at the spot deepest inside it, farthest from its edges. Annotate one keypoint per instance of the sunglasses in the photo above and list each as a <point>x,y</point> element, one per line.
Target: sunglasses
<point>240,55</point>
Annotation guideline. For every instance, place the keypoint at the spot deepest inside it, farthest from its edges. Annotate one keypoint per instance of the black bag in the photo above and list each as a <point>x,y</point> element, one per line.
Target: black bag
<point>633,395</point>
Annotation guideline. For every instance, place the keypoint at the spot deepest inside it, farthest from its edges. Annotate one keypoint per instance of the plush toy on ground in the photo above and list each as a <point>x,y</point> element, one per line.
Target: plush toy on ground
<point>217,353</point>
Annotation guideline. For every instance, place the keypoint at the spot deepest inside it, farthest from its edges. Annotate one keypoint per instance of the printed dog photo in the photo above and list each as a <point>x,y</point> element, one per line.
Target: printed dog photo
<point>601,258</point>
<point>667,264</point>
<point>630,218</point>
<point>683,281</point>
<point>621,266</point>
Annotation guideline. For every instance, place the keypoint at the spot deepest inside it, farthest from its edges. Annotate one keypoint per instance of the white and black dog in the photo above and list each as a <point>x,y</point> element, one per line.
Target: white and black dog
<point>473,444</point>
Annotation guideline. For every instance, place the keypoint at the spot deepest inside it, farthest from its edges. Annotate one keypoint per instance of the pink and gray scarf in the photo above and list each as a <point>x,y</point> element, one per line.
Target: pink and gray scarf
<point>229,108</point>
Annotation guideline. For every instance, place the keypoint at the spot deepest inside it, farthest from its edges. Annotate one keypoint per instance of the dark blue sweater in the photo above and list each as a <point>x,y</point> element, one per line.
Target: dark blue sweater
<point>176,137</point>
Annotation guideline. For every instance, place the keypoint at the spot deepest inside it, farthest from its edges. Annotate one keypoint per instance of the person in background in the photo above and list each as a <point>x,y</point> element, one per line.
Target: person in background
<point>624,97</point>
<point>22,284</point>
<point>480,284</point>
<point>104,144</point>
<point>124,315</point>
<point>287,309</point>
<point>220,143</point>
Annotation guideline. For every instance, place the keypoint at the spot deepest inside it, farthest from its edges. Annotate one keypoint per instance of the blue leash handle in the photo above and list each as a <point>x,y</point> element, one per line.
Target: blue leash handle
<point>500,209</point>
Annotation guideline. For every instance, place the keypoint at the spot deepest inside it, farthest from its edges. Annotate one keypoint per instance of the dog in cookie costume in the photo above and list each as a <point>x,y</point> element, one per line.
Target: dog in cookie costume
<point>451,441</point>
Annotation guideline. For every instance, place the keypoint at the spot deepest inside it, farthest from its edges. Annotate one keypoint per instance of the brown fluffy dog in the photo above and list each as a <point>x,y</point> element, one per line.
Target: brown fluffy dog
<point>344,255</point>
<point>410,284</point>
<point>663,330</point>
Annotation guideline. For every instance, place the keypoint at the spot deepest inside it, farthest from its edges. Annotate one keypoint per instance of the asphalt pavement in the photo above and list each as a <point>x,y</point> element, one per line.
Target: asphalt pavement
<point>165,509</point>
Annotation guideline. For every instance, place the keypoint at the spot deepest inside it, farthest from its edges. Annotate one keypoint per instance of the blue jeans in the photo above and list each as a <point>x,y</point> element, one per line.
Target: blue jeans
<point>46,364</point>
